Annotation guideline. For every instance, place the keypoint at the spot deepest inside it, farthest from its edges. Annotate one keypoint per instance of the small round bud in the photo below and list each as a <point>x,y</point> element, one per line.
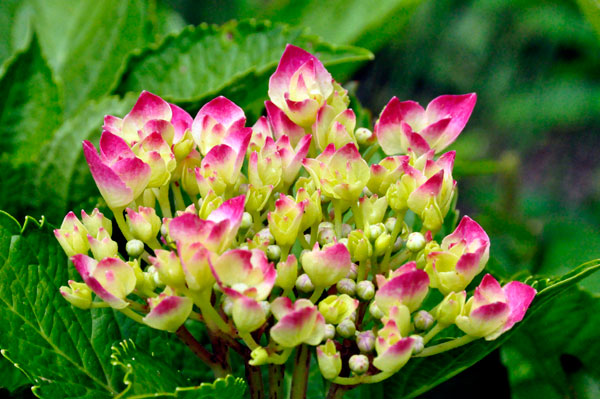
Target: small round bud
<point>375,311</point>
<point>398,244</point>
<point>303,283</point>
<point>365,290</point>
<point>353,272</point>
<point>365,341</point>
<point>329,332</point>
<point>376,230</point>
<point>390,223</point>
<point>164,230</point>
<point>352,317</point>
<point>265,236</point>
<point>382,243</point>
<point>326,236</point>
<point>259,356</point>
<point>134,248</point>
<point>343,241</point>
<point>325,225</point>
<point>359,364</point>
<point>346,230</point>
<point>346,328</point>
<point>423,320</point>
<point>416,242</point>
<point>346,286</point>
<point>273,252</point>
<point>418,343</point>
<point>246,221</point>
<point>227,306</point>
<point>363,135</point>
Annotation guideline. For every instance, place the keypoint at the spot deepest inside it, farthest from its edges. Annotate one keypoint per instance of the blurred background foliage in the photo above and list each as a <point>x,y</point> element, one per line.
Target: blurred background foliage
<point>527,164</point>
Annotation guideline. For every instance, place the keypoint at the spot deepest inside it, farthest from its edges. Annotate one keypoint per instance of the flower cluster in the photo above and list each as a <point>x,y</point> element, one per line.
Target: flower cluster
<point>286,234</point>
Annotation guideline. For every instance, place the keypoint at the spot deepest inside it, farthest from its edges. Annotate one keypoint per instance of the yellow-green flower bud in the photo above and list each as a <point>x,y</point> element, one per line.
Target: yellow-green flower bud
<point>390,223</point>
<point>337,308</point>
<point>346,328</point>
<point>95,221</point>
<point>346,286</point>
<point>287,273</point>
<point>134,248</point>
<point>382,243</point>
<point>418,343</point>
<point>77,294</point>
<point>273,252</point>
<point>452,305</point>
<point>365,290</point>
<point>359,364</point>
<point>423,320</point>
<point>416,242</point>
<point>303,283</point>
<point>359,246</point>
<point>102,245</point>
<point>329,360</point>
<point>246,221</point>
<point>375,311</point>
<point>329,331</point>
<point>259,356</point>
<point>363,135</point>
<point>376,230</point>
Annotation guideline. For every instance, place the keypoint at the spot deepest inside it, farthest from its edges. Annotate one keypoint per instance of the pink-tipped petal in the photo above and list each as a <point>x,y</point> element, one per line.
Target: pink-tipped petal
<point>181,122</point>
<point>282,125</point>
<point>458,108</point>
<point>519,297</point>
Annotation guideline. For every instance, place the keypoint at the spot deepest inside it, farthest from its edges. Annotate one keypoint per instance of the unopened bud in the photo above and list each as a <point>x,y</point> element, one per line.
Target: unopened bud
<point>359,246</point>
<point>303,283</point>
<point>287,273</point>
<point>375,311</point>
<point>346,286</point>
<point>390,223</point>
<point>359,364</point>
<point>246,221</point>
<point>365,290</point>
<point>363,135</point>
<point>346,230</point>
<point>346,328</point>
<point>452,305</point>
<point>326,236</point>
<point>423,320</point>
<point>265,236</point>
<point>77,294</point>
<point>329,332</point>
<point>259,356</point>
<point>365,341</point>
<point>416,242</point>
<point>382,243</point>
<point>134,248</point>
<point>273,252</point>
<point>164,230</point>
<point>376,230</point>
<point>418,343</point>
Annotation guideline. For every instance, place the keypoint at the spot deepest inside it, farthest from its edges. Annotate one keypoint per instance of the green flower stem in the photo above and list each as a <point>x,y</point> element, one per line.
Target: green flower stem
<point>179,203</point>
<point>118,213</point>
<point>362,271</point>
<point>209,313</point>
<point>395,232</point>
<point>137,306</point>
<point>370,152</point>
<point>282,357</point>
<point>162,195</point>
<point>285,251</point>
<point>256,222</point>
<point>154,243</point>
<point>132,315</point>
<point>276,385</point>
<point>317,294</point>
<point>446,346</point>
<point>362,379</point>
<point>314,234</point>
<point>400,258</point>
<point>97,305</point>
<point>255,382</point>
<point>207,358</point>
<point>337,211</point>
<point>248,340</point>
<point>433,332</point>
<point>356,215</point>
<point>305,244</point>
<point>300,374</point>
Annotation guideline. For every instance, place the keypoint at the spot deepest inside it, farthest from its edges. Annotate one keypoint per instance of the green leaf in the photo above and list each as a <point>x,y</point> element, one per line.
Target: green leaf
<point>234,60</point>
<point>88,49</point>
<point>362,23</point>
<point>30,110</point>
<point>11,377</point>
<point>15,29</point>
<point>40,328</point>
<point>555,354</point>
<point>63,180</point>
<point>422,374</point>
<point>591,9</point>
<point>149,376</point>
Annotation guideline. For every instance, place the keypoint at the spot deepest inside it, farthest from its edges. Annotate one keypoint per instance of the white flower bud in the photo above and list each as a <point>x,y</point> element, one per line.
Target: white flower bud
<point>346,328</point>
<point>346,286</point>
<point>359,364</point>
<point>365,290</point>
<point>329,332</point>
<point>246,221</point>
<point>303,283</point>
<point>418,343</point>
<point>363,135</point>
<point>423,320</point>
<point>416,242</point>
<point>134,248</point>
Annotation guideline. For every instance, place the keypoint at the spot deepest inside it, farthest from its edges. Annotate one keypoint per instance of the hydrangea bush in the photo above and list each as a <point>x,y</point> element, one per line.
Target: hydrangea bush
<point>285,239</point>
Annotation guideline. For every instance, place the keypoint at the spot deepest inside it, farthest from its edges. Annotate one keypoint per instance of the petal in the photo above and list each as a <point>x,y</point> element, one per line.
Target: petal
<point>223,111</point>
<point>170,313</point>
<point>519,297</point>
<point>488,291</point>
<point>148,106</point>
<point>408,288</point>
<point>181,122</point>
<point>282,125</point>
<point>114,148</point>
<point>388,129</point>
<point>114,191</point>
<point>396,356</point>
<point>458,108</point>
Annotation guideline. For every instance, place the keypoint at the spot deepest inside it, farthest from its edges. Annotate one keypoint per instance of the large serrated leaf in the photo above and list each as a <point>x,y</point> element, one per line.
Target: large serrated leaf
<point>30,109</point>
<point>230,60</point>
<point>422,374</point>
<point>65,351</point>
<point>63,179</point>
<point>148,376</point>
<point>88,49</point>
